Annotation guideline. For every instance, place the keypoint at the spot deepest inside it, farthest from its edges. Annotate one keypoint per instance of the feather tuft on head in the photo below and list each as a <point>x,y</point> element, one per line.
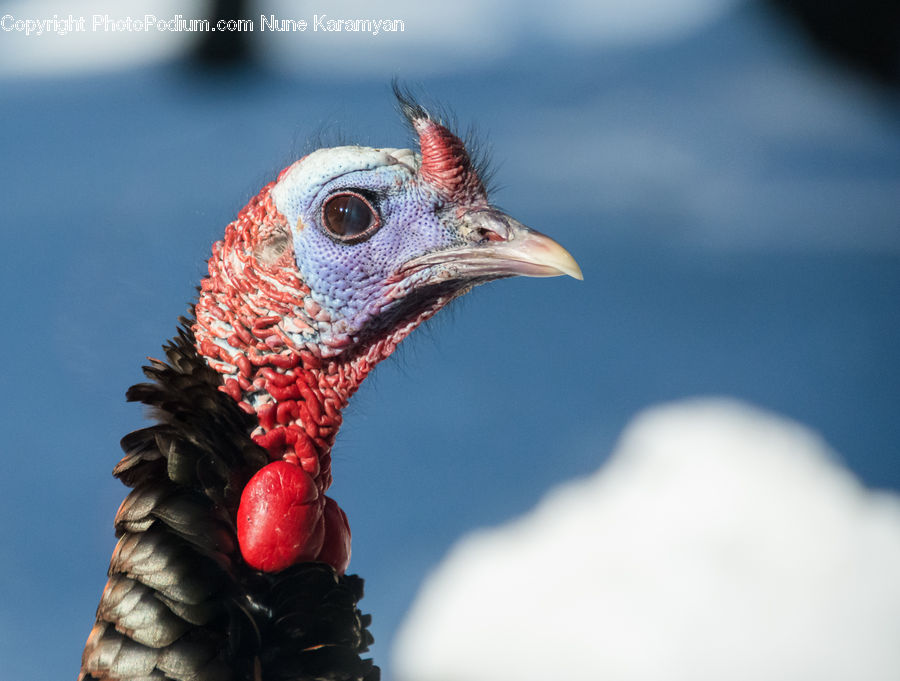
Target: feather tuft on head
<point>446,164</point>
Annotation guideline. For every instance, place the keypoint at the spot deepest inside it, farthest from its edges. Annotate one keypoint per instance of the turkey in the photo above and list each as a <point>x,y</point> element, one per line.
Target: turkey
<point>231,559</point>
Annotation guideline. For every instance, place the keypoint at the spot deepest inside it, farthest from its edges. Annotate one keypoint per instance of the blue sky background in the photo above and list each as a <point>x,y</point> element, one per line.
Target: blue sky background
<point>732,201</point>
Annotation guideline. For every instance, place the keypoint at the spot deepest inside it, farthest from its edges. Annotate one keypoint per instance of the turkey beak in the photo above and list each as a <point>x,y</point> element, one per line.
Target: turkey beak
<point>508,247</point>
<point>499,246</point>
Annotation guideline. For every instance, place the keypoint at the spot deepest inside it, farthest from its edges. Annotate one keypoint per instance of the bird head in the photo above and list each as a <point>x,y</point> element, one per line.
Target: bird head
<point>352,247</point>
<point>318,279</point>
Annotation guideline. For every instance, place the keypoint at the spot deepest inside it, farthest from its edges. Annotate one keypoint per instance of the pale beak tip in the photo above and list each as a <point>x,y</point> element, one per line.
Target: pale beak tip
<point>560,259</point>
<point>551,259</point>
<point>575,271</point>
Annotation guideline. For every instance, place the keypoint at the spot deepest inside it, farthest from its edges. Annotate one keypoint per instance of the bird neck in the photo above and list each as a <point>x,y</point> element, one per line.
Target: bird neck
<point>258,325</point>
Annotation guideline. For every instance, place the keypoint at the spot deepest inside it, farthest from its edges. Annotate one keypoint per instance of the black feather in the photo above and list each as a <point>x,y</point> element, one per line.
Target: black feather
<point>180,602</point>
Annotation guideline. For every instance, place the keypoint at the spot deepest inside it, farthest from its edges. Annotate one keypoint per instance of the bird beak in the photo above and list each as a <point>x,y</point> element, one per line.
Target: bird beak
<point>498,246</point>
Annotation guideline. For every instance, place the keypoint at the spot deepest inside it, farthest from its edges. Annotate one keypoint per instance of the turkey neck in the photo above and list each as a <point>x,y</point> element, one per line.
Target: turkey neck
<point>281,355</point>
<point>258,325</point>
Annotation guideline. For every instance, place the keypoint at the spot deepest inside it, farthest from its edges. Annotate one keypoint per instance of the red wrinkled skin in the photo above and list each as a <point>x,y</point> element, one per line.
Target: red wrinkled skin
<point>255,324</point>
<point>298,397</point>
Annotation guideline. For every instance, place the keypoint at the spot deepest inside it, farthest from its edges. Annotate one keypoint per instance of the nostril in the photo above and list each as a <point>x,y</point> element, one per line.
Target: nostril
<point>486,234</point>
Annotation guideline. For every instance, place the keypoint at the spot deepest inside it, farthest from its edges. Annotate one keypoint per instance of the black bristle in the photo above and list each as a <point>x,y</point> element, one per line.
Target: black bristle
<point>408,104</point>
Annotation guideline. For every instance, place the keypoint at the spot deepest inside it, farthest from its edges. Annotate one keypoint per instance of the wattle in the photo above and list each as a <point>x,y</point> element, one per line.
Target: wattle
<point>280,519</point>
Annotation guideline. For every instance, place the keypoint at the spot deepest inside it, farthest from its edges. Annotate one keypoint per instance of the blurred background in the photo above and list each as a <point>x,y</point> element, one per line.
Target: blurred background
<point>726,172</point>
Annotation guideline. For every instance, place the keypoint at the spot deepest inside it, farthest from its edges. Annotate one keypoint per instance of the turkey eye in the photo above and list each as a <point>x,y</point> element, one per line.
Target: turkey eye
<point>348,216</point>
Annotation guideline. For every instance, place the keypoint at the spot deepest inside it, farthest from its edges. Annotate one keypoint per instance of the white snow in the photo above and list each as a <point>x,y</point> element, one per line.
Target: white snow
<point>718,542</point>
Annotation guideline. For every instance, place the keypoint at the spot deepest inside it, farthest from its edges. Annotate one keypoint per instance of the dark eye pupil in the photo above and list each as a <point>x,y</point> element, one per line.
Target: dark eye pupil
<point>347,215</point>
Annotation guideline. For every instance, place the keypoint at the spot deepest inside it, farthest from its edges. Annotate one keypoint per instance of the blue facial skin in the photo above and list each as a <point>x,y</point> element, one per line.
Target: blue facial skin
<point>352,280</point>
